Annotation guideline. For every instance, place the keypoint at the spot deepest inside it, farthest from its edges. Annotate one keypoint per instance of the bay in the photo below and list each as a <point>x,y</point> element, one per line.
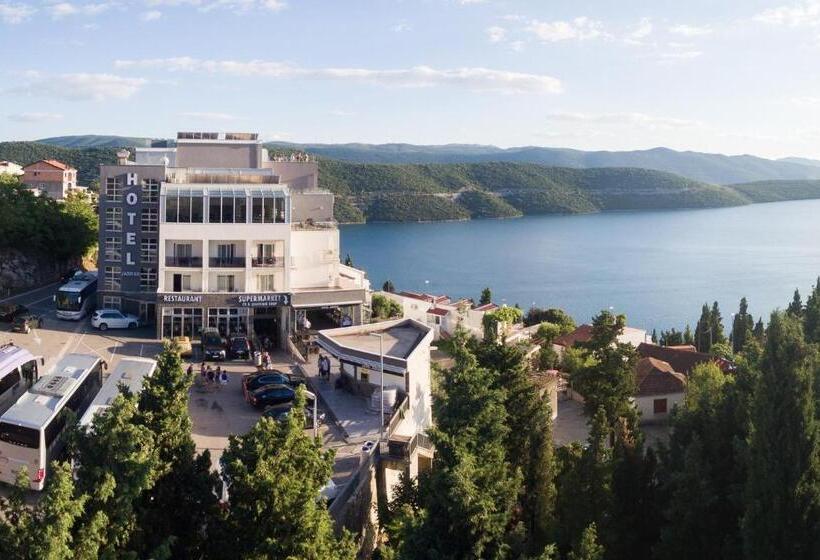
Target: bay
<point>658,268</point>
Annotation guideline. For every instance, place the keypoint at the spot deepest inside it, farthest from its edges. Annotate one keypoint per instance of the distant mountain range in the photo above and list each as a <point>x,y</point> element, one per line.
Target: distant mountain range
<point>708,168</point>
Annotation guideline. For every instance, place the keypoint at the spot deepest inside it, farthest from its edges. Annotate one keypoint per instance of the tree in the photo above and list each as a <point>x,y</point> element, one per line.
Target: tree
<point>722,350</point>
<point>486,297</point>
<point>811,315</point>
<point>742,326</point>
<point>384,308</point>
<point>588,547</point>
<point>472,488</point>
<point>716,324</point>
<point>388,286</point>
<point>497,322</point>
<point>608,381</point>
<point>704,334</point>
<point>559,317</point>
<point>547,332</point>
<point>276,473</point>
<point>55,516</point>
<point>688,337</point>
<point>654,336</point>
<point>795,308</point>
<point>671,338</point>
<point>782,516</point>
<point>348,260</point>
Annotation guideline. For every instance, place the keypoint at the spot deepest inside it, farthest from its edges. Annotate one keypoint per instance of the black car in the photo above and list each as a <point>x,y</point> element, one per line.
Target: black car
<point>280,413</point>
<point>24,323</point>
<point>240,348</point>
<point>9,311</point>
<point>257,380</point>
<point>213,345</point>
<point>271,394</point>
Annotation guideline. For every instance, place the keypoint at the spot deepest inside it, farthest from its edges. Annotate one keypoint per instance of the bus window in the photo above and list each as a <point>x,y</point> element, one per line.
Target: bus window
<point>10,380</point>
<point>19,435</point>
<point>29,370</point>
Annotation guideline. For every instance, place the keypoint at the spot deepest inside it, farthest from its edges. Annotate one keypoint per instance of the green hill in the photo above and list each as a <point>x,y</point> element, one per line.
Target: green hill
<point>96,141</point>
<point>775,191</point>
<point>86,160</point>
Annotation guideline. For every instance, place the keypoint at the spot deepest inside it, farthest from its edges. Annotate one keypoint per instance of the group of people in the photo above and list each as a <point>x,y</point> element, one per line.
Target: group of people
<point>209,375</point>
<point>324,367</point>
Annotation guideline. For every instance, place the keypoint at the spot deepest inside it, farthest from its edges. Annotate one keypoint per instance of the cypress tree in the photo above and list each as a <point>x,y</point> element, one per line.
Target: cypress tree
<point>486,297</point>
<point>742,327</point>
<point>795,308</point>
<point>588,547</point>
<point>782,516</point>
<point>703,330</point>
<point>716,323</point>
<point>811,315</point>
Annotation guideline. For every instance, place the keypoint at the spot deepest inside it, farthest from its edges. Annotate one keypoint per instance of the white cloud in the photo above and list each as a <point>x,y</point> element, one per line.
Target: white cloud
<point>236,6</point>
<point>78,87</point>
<point>151,15</point>
<point>342,113</point>
<point>800,14</point>
<point>679,54</point>
<point>62,9</point>
<point>475,78</point>
<point>468,2</point>
<point>401,27</point>
<point>207,116</point>
<point>274,5</point>
<point>642,30</point>
<point>641,120</point>
<point>580,28</point>
<point>35,117</point>
<point>690,30</point>
<point>517,46</point>
<point>496,34</point>
<point>15,13</point>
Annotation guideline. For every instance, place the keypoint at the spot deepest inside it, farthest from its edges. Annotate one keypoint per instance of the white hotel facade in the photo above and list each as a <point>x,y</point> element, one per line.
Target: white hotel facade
<point>211,232</point>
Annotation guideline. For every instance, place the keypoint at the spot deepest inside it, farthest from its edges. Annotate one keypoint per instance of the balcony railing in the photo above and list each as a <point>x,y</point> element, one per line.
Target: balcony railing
<point>227,262</point>
<point>191,262</point>
<point>266,261</point>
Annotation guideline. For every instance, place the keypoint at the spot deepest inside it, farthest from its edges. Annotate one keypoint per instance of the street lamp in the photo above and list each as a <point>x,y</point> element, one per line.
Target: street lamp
<point>381,381</point>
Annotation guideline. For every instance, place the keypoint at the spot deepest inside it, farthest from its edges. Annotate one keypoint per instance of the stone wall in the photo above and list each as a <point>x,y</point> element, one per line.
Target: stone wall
<point>20,271</point>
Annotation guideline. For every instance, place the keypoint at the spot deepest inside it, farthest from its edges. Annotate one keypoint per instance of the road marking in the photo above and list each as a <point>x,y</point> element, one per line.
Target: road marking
<point>142,347</point>
<point>15,296</point>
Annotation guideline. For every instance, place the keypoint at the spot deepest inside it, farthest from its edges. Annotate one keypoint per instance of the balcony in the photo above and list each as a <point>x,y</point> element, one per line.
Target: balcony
<point>227,262</point>
<point>267,262</point>
<point>185,262</point>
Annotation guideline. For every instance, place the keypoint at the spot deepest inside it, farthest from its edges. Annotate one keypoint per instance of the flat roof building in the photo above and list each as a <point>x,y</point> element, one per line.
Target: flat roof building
<point>214,233</point>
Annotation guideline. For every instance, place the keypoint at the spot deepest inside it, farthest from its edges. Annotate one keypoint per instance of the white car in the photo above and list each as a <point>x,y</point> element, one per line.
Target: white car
<point>104,319</point>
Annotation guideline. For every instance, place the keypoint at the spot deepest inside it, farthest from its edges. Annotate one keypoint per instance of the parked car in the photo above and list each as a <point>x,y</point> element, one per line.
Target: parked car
<point>240,348</point>
<point>274,377</point>
<point>105,319</point>
<point>8,311</point>
<point>24,323</point>
<point>280,413</point>
<point>186,350</point>
<point>271,394</point>
<point>213,345</point>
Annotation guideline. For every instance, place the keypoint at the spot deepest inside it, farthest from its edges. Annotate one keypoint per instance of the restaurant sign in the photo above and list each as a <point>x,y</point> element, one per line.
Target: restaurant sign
<point>180,298</point>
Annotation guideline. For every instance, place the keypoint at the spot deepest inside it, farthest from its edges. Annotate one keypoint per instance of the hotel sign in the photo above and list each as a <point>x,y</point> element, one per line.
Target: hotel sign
<point>262,300</point>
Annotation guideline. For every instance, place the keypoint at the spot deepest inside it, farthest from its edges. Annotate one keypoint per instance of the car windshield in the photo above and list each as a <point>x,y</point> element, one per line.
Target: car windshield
<point>239,343</point>
<point>68,301</point>
<point>211,339</point>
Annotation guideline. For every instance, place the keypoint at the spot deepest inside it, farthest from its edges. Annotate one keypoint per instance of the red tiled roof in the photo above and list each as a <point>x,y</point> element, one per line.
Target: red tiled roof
<point>426,297</point>
<point>686,347</point>
<point>437,311</point>
<point>681,360</point>
<point>656,377</point>
<point>486,307</point>
<point>581,334</point>
<point>53,163</point>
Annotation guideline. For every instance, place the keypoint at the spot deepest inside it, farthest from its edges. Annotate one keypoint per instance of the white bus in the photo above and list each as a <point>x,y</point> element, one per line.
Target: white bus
<point>31,430</point>
<point>18,370</point>
<point>77,298</point>
<point>131,372</point>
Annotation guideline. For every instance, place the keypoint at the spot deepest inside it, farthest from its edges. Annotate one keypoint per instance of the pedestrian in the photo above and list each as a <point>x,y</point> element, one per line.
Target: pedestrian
<point>223,378</point>
<point>202,370</point>
<point>218,373</point>
<point>210,375</point>
<point>190,370</point>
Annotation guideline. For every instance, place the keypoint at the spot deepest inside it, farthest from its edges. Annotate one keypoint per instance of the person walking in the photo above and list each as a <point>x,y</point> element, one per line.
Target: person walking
<point>210,375</point>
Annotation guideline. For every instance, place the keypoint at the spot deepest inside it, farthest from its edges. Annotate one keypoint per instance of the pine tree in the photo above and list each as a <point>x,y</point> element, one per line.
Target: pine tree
<point>795,308</point>
<point>688,337</point>
<point>276,473</point>
<point>654,336</point>
<point>811,315</point>
<point>588,547</point>
<point>388,286</point>
<point>782,517</point>
<point>716,324</point>
<point>703,330</point>
<point>742,327</point>
<point>486,297</point>
<point>759,331</point>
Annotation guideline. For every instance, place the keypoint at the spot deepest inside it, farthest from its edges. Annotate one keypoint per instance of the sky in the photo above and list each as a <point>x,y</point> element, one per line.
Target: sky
<point>730,77</point>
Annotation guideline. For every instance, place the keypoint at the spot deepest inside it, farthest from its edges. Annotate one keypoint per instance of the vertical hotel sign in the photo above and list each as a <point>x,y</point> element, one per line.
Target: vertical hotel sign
<point>131,226</point>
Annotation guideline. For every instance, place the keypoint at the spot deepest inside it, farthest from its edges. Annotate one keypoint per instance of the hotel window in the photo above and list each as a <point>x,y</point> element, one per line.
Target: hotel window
<point>227,206</point>
<point>148,251</point>
<point>149,220</point>
<point>113,249</point>
<point>113,189</point>
<point>150,190</point>
<point>112,277</point>
<point>148,279</point>
<point>267,208</point>
<point>184,206</point>
<point>112,302</point>
<point>113,219</point>
<point>225,283</point>
<point>265,283</point>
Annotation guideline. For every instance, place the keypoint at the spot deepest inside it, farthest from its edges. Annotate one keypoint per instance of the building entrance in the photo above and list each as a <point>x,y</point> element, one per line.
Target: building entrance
<point>266,327</point>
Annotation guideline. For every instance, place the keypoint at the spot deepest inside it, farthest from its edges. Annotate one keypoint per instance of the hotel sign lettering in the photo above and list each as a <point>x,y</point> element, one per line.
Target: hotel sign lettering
<point>263,300</point>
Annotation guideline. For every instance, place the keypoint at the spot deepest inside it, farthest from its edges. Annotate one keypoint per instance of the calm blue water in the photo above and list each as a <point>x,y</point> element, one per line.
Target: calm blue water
<point>656,267</point>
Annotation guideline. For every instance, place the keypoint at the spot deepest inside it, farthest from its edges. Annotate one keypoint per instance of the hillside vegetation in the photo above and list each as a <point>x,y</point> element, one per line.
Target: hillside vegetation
<point>85,160</point>
<point>776,191</point>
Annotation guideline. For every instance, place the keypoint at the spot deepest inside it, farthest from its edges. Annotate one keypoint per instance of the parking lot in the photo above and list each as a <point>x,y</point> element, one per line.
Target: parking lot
<point>216,411</point>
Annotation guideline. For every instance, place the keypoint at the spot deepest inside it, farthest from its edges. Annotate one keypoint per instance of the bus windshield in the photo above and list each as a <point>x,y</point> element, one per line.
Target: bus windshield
<point>19,435</point>
<point>68,301</point>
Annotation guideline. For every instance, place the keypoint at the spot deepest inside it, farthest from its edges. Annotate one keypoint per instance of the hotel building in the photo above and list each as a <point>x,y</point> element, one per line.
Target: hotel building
<point>211,232</point>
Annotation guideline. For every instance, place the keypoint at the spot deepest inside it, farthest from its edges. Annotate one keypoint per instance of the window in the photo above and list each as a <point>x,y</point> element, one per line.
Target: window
<point>225,283</point>
<point>113,219</point>
<point>19,435</point>
<point>112,277</point>
<point>226,206</point>
<point>150,190</point>
<point>112,302</point>
<point>113,189</point>
<point>148,279</point>
<point>182,283</point>
<point>265,283</point>
<point>113,249</point>
<point>149,220</point>
<point>10,380</point>
<point>184,206</point>
<point>659,406</point>
<point>267,209</point>
<point>148,251</point>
